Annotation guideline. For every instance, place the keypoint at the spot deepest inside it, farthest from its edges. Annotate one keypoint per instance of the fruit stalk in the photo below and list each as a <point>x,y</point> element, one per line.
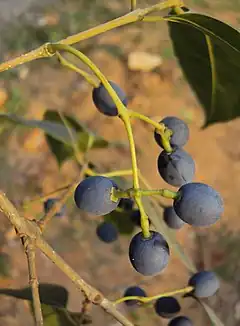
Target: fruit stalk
<point>81,72</point>
<point>122,113</point>
<point>133,4</point>
<point>160,127</point>
<point>129,193</point>
<point>185,290</point>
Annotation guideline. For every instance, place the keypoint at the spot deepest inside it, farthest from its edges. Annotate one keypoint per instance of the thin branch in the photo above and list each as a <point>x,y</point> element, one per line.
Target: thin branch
<point>133,4</point>
<point>33,281</point>
<point>31,230</point>
<point>132,17</point>
<point>89,78</point>
<point>58,205</point>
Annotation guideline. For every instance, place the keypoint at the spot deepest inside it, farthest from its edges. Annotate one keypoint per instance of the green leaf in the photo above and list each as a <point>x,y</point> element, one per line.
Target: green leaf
<point>208,52</point>
<point>81,137</point>
<point>61,151</point>
<point>50,294</point>
<point>52,129</point>
<point>50,316</point>
<point>211,314</point>
<point>155,213</point>
<point>121,220</point>
<point>56,316</point>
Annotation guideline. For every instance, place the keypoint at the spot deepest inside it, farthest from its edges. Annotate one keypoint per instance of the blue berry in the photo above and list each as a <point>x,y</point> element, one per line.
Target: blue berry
<point>93,195</point>
<point>103,100</point>
<point>149,256</point>
<point>172,220</point>
<point>167,307</point>
<point>49,203</point>
<point>107,232</point>
<point>198,204</point>
<point>205,283</point>
<point>176,168</point>
<point>180,321</point>
<point>132,292</point>
<point>180,132</point>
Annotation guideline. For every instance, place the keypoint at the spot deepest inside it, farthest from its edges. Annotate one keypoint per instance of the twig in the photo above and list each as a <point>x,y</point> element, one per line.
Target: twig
<point>33,281</point>
<point>132,17</point>
<point>31,230</point>
<point>47,218</point>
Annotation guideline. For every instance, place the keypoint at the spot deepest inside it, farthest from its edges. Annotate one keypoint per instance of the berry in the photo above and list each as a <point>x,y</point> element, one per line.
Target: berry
<point>181,321</point>
<point>93,195</point>
<point>149,256</point>
<point>126,204</point>
<point>103,100</point>
<point>49,203</point>
<point>198,204</point>
<point>172,220</point>
<point>176,168</point>
<point>205,283</point>
<point>107,232</point>
<point>133,291</point>
<point>167,307</point>
<point>180,132</point>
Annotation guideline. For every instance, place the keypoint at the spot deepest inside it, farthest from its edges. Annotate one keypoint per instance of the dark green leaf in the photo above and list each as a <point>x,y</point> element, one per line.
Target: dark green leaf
<point>61,151</point>
<point>122,221</point>
<point>56,316</point>
<point>50,294</point>
<point>52,129</point>
<point>208,51</point>
<point>81,139</point>
<point>50,316</point>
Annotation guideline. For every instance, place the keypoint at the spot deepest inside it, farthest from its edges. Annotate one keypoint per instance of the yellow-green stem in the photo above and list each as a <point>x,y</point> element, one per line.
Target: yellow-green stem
<point>153,19</point>
<point>81,72</point>
<point>179,10</point>
<point>90,172</point>
<point>133,4</point>
<point>144,218</point>
<point>128,193</point>
<point>122,113</point>
<point>160,127</point>
<point>161,192</point>
<point>185,290</point>
<point>128,127</point>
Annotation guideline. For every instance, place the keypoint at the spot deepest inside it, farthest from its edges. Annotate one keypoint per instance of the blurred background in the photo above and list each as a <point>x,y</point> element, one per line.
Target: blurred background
<point>140,59</point>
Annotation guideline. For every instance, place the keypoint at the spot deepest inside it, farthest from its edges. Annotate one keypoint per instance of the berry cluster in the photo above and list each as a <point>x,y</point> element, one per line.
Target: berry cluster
<point>194,203</point>
<point>205,284</point>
